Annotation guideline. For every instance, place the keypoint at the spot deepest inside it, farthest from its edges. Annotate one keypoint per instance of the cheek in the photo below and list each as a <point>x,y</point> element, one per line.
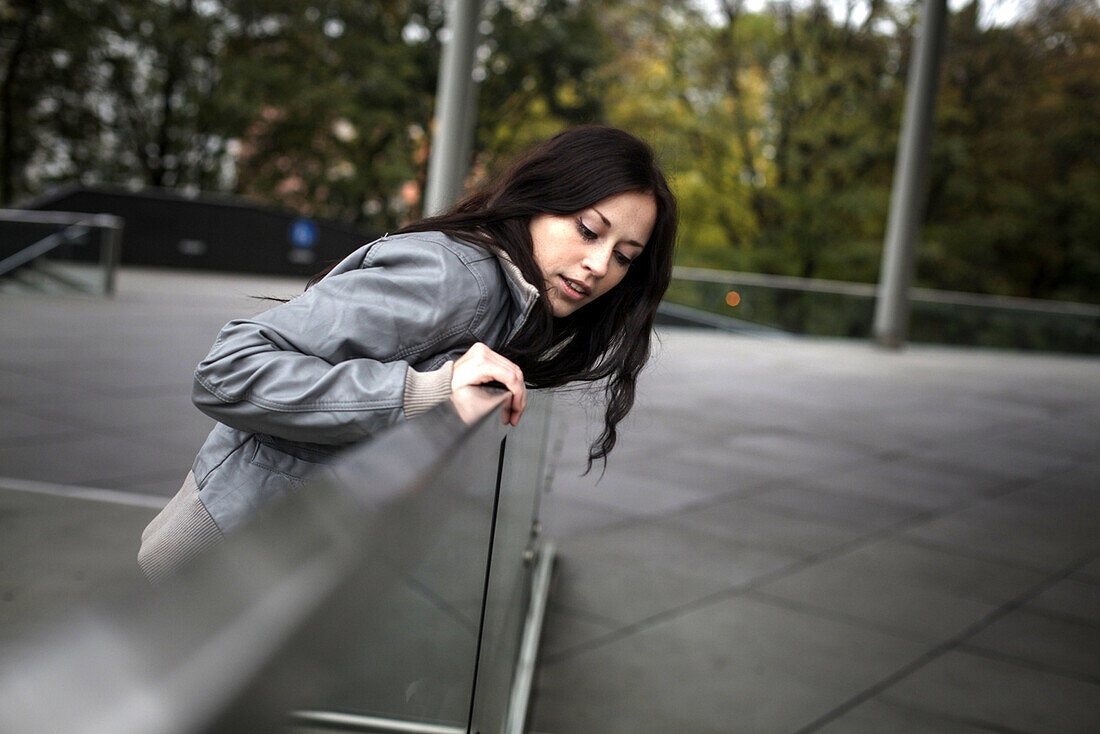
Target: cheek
<point>612,282</point>
<point>549,241</point>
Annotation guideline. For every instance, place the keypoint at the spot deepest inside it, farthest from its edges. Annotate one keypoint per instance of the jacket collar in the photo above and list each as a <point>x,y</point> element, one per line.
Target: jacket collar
<point>522,292</point>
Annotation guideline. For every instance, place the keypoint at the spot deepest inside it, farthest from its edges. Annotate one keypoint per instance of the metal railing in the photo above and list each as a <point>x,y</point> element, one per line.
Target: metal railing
<point>402,590</point>
<point>837,308</point>
<point>31,238</point>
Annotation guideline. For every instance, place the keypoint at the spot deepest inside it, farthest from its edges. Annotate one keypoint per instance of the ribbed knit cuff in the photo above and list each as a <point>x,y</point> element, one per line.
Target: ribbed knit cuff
<point>426,389</point>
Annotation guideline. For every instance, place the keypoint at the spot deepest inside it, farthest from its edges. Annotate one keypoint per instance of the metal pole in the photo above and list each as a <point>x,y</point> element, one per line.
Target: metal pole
<point>454,105</point>
<point>466,137</point>
<point>907,198</point>
<point>109,255</point>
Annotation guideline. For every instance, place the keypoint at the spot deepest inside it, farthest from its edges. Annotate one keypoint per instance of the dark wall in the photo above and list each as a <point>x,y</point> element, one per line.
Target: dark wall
<point>209,233</point>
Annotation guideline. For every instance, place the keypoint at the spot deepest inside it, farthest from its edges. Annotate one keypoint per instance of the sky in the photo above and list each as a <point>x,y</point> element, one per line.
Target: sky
<point>994,12</point>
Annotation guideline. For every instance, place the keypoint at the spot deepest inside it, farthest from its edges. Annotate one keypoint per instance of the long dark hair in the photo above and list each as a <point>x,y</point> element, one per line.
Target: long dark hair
<point>609,338</point>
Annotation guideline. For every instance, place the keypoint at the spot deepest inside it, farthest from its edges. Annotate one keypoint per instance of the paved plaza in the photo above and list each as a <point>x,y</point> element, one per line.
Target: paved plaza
<point>793,535</point>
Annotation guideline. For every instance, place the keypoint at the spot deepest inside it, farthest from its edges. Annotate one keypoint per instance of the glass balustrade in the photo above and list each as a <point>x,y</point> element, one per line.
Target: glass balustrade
<point>392,593</point>
<point>830,308</point>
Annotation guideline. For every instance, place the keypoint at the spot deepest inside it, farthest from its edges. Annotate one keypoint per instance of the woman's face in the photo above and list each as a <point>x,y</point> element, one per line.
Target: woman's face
<point>586,254</point>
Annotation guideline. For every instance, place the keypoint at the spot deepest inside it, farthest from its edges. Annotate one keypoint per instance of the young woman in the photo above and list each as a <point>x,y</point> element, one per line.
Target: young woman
<point>550,274</point>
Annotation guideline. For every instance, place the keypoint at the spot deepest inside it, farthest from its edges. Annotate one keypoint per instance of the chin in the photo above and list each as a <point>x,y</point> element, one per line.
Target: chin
<point>561,310</point>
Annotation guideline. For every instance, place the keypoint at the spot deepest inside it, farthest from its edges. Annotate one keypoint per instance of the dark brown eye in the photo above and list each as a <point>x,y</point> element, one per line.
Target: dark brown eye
<point>585,231</point>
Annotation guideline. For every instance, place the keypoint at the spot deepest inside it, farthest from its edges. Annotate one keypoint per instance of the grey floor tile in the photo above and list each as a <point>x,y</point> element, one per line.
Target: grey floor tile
<point>18,428</point>
<point>1058,645</point>
<point>19,381</point>
<point>933,423</point>
<point>1008,459</point>
<point>93,459</point>
<point>1065,436</point>
<point>698,467</point>
<point>628,594</point>
<point>737,666</point>
<point>717,469</point>
<point>839,509</point>
<point>67,363</point>
<point>761,527</point>
<point>186,436</point>
<point>851,428</point>
<point>59,552</point>
<point>1014,697</point>
<point>626,494</point>
<point>1029,529</point>
<point>908,481</point>
<point>1061,498</point>
<point>810,453</point>
<point>117,414</point>
<point>631,572</point>
<point>41,389</point>
<point>563,516</point>
<point>678,547</point>
<point>1011,404</point>
<point>880,717</point>
<point>163,483</point>
<point>1070,598</point>
<point>1079,480</point>
<point>919,591</point>
<point>564,629</point>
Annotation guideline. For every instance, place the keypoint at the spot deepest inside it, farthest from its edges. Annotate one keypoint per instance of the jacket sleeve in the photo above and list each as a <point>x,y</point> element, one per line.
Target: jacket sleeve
<point>335,364</point>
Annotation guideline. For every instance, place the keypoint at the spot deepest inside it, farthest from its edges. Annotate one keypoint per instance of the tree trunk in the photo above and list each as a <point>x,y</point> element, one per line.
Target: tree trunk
<point>173,73</point>
<point>733,86</point>
<point>788,112</point>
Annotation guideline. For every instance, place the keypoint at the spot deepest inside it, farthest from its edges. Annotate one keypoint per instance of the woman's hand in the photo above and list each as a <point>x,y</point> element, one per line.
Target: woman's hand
<point>481,365</point>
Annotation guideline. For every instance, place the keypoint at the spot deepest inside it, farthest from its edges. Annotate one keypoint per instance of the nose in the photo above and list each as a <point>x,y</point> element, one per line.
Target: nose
<point>596,260</point>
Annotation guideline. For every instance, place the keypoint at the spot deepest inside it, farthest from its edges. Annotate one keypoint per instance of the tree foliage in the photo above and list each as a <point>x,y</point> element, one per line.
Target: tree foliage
<point>1015,195</point>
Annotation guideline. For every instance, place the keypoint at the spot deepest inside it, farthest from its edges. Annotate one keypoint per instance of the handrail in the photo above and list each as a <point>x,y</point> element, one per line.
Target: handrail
<point>869,290</point>
<point>45,216</point>
<point>76,225</point>
<point>43,246</point>
<point>272,616</point>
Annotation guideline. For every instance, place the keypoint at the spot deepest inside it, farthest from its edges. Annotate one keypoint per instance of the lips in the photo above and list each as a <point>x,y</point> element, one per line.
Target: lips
<point>574,289</point>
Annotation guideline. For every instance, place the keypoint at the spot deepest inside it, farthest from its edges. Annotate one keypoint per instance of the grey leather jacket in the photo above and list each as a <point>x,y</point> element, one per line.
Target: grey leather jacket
<point>370,344</point>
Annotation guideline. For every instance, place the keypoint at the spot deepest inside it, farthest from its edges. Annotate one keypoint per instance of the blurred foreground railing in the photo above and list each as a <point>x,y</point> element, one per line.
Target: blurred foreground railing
<point>402,590</point>
<point>834,308</point>
<point>69,251</point>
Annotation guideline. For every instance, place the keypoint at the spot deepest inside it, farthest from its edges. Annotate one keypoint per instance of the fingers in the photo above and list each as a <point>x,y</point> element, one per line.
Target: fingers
<point>480,365</point>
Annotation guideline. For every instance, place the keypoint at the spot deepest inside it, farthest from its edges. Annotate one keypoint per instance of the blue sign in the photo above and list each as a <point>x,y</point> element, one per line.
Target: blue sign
<point>303,233</point>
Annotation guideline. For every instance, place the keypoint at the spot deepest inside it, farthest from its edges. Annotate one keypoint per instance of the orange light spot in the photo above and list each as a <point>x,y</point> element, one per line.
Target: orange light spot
<point>733,298</point>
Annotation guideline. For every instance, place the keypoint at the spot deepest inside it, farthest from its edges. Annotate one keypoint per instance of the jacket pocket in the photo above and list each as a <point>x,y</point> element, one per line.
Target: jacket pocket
<point>278,461</point>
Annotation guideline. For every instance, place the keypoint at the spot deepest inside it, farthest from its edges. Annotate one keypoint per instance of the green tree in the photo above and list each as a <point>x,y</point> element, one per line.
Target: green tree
<point>540,58</point>
<point>1015,195</point>
<point>47,64</point>
<point>835,95</point>
<point>335,98</point>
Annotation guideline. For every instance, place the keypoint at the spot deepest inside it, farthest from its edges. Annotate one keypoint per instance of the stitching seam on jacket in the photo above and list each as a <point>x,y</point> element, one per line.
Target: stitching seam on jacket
<point>341,405</point>
<point>238,447</point>
<point>268,467</point>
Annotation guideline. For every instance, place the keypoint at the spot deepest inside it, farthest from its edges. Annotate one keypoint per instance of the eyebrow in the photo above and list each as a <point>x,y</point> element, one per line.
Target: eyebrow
<point>608,223</point>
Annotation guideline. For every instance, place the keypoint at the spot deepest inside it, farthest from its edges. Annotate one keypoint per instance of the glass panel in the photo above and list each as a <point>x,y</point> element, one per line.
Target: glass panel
<point>508,593</point>
<point>415,658</point>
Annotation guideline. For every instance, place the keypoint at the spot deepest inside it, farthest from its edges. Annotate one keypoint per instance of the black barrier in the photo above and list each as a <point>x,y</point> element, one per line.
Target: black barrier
<point>208,232</point>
